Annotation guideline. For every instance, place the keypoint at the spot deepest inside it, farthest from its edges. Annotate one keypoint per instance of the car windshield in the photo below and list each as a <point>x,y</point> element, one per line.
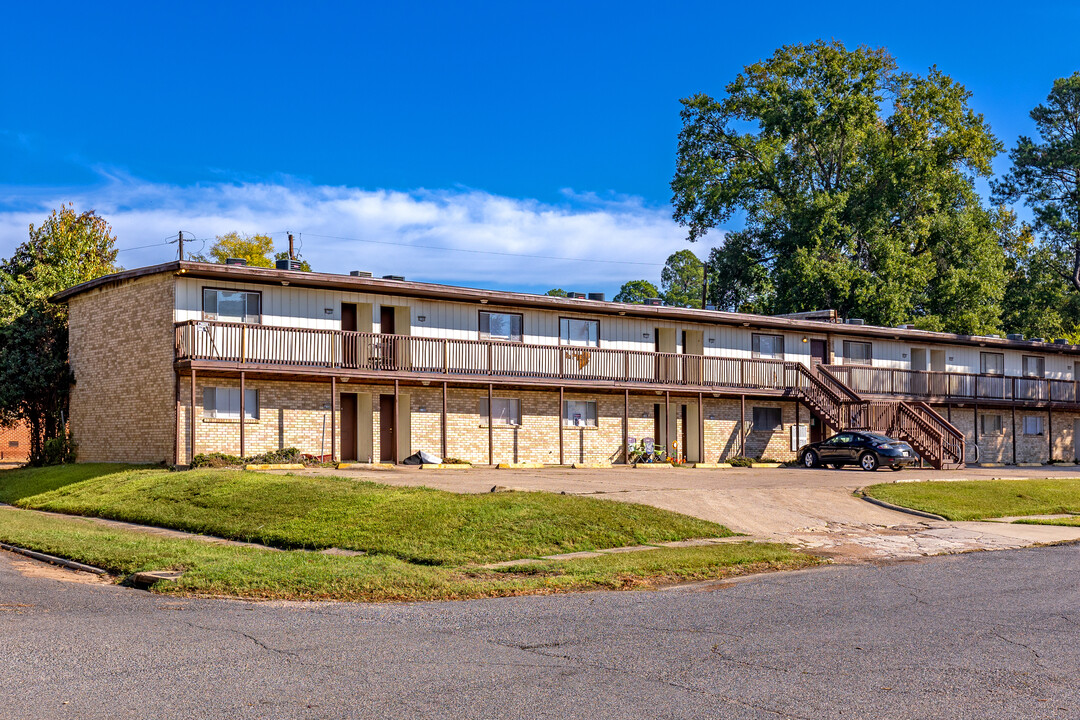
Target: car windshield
<point>879,438</point>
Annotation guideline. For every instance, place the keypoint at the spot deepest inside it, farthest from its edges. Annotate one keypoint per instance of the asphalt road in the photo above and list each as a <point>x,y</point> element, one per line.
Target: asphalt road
<point>982,635</point>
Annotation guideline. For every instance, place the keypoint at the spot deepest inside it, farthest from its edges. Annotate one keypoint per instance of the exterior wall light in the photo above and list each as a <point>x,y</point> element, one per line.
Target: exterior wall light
<point>421,318</point>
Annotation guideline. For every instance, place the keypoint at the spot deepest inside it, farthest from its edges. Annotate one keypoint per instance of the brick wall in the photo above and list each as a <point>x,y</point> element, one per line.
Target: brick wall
<point>121,353</point>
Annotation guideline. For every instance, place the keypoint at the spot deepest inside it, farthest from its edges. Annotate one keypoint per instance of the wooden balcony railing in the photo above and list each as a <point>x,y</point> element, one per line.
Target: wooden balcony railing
<point>954,386</point>
<point>300,347</point>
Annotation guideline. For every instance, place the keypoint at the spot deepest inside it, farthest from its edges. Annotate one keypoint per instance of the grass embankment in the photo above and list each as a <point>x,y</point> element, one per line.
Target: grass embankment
<point>422,543</point>
<point>982,499</point>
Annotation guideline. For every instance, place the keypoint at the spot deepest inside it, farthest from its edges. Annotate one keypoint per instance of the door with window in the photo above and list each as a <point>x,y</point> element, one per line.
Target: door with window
<point>218,342</point>
<point>579,339</point>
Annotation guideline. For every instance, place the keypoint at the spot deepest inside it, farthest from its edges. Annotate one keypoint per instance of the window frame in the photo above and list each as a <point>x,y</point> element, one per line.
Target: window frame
<point>588,403</point>
<point>569,319</point>
<point>1024,425</point>
<point>495,419</point>
<point>487,336</point>
<point>1041,362</point>
<point>982,363</point>
<point>778,427</point>
<point>249,414</point>
<point>1000,430</point>
<point>755,342</point>
<point>217,316</point>
<point>869,361</point>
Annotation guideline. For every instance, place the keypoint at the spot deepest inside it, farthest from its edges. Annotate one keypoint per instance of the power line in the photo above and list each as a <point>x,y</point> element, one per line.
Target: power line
<point>486,252</point>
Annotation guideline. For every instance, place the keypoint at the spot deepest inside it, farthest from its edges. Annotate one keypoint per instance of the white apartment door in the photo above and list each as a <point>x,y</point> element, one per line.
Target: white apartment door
<point>918,378</point>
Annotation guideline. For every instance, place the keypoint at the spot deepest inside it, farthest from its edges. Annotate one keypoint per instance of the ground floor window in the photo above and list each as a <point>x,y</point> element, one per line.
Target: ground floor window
<point>225,403</point>
<point>579,413</point>
<point>766,419</point>
<point>1033,425</point>
<point>990,425</point>
<point>504,411</point>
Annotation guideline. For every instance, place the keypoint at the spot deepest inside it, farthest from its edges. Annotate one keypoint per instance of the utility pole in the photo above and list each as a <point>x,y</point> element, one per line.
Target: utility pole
<point>704,284</point>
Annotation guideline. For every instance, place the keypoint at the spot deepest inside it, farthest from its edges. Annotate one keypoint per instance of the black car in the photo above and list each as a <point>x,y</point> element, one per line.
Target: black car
<point>865,449</point>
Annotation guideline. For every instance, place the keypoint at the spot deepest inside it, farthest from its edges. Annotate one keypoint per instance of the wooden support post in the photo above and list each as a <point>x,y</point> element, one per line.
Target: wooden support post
<point>333,418</point>
<point>1050,433</point>
<point>192,418</point>
<point>491,424</point>
<point>626,427</point>
<point>559,417</point>
<point>443,425</point>
<point>1014,433</point>
<point>701,426</point>
<point>742,426</point>
<point>797,408</point>
<point>243,409</point>
<point>396,425</point>
<point>667,425</point>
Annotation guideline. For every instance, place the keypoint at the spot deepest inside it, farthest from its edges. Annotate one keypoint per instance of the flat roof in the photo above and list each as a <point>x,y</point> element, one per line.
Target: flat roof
<point>434,291</point>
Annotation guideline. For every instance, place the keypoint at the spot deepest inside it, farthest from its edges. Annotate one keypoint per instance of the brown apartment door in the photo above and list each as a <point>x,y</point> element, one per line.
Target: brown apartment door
<point>387,428</point>
<point>818,353</point>
<point>349,343</point>
<point>387,327</point>
<point>348,426</point>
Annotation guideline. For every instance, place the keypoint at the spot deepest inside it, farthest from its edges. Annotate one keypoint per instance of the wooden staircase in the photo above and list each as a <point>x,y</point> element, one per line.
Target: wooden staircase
<point>937,440</point>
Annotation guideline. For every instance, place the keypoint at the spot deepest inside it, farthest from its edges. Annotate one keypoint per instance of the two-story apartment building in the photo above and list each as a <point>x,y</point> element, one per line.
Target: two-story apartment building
<point>185,358</point>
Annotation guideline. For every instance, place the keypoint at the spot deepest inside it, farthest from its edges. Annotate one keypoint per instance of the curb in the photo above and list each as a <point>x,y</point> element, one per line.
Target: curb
<point>712,466</point>
<point>364,466</point>
<point>445,466</point>
<point>275,466</point>
<point>69,564</point>
<point>520,466</point>
<point>898,508</point>
<point>591,466</point>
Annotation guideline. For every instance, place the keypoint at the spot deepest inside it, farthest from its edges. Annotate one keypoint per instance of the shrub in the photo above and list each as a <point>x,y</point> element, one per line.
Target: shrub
<point>283,456</point>
<point>741,461</point>
<point>216,460</point>
<point>60,450</point>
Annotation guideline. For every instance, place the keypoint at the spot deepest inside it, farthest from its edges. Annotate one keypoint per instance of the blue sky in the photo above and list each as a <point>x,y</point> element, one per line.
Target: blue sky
<point>544,129</point>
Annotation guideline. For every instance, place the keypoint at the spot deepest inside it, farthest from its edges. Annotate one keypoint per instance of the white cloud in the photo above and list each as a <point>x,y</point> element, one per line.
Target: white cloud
<point>332,223</point>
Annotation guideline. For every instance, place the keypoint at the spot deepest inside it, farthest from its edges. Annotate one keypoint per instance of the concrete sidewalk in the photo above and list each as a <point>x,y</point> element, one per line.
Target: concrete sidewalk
<point>815,509</point>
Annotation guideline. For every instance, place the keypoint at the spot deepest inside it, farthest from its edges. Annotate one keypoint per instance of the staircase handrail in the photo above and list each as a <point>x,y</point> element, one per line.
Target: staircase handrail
<point>840,386</point>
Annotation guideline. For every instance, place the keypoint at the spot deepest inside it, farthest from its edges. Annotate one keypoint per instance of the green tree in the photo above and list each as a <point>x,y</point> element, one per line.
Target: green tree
<point>637,291</point>
<point>35,379</point>
<point>256,249</point>
<point>1045,175</point>
<point>681,279</point>
<point>556,292</point>
<point>856,182</point>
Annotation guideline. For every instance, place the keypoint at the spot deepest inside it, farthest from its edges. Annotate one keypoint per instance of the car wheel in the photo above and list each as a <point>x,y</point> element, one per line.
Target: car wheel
<point>869,462</point>
<point>810,459</point>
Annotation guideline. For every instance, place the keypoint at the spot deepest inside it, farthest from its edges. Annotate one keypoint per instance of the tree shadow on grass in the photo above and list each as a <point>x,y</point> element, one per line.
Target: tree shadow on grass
<point>29,481</point>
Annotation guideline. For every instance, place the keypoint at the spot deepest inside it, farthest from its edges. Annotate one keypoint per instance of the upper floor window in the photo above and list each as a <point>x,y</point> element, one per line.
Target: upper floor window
<point>992,363</point>
<point>231,305</point>
<point>768,346</point>
<point>1034,366</point>
<point>857,353</point>
<point>500,326</point>
<point>579,332</point>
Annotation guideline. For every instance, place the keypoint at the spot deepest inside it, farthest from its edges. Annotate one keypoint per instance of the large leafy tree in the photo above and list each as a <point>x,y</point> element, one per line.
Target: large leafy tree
<point>681,279</point>
<point>856,185</point>
<point>636,291</point>
<point>256,249</point>
<point>1045,175</point>
<point>65,250</point>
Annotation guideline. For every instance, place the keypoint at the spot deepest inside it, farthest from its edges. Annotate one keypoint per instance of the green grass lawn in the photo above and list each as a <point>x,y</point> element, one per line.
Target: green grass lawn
<point>418,525</point>
<point>422,543</point>
<point>981,499</point>
<point>298,575</point>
